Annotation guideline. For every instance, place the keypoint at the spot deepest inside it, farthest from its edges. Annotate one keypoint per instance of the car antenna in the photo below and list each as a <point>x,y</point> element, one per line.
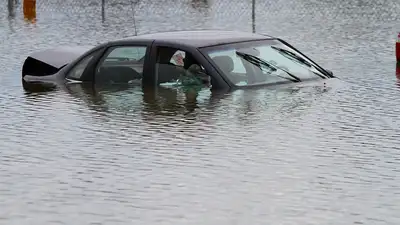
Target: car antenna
<point>134,20</point>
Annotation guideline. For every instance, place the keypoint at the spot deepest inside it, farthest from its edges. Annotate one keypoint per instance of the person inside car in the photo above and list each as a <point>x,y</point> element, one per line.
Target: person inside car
<point>194,73</point>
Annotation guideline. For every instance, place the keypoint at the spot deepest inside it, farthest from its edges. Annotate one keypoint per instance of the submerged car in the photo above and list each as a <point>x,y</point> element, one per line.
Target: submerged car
<point>220,59</point>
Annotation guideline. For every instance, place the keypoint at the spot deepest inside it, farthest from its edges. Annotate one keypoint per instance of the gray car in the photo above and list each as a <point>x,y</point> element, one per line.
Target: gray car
<point>220,59</point>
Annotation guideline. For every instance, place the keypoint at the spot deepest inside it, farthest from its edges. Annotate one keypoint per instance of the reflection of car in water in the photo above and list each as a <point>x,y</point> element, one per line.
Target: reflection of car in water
<point>221,60</point>
<point>151,102</point>
<point>169,100</point>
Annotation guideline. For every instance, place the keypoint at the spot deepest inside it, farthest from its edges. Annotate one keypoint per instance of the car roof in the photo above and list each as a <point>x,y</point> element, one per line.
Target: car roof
<point>200,38</point>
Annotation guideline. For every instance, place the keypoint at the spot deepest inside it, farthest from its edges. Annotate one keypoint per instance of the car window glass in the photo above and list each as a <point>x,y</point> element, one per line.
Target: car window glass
<point>259,63</point>
<point>266,52</point>
<point>127,53</point>
<point>178,67</point>
<point>238,66</point>
<point>77,72</point>
<point>121,65</point>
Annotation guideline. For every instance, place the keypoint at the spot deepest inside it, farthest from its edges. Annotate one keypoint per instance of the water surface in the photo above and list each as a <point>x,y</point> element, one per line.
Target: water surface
<point>311,155</point>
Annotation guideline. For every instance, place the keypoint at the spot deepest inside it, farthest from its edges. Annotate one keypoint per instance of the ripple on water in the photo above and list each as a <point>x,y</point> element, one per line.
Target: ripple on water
<point>309,155</point>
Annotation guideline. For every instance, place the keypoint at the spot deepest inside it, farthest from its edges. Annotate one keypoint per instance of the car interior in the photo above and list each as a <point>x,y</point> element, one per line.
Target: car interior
<point>120,70</point>
<point>226,64</point>
<point>171,65</point>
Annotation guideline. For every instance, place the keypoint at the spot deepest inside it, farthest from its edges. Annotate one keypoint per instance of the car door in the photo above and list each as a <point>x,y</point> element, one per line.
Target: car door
<point>81,70</point>
<point>169,61</point>
<point>122,63</point>
<point>172,62</point>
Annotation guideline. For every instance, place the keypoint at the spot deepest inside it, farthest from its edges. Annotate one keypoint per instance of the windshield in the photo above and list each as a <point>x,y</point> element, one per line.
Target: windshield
<point>262,62</point>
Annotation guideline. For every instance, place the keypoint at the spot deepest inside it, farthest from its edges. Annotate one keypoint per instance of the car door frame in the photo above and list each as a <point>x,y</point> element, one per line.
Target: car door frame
<point>218,82</point>
<point>90,71</point>
<point>85,77</point>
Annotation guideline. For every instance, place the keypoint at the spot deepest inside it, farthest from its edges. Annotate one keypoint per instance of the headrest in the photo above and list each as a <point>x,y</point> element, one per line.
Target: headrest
<point>225,63</point>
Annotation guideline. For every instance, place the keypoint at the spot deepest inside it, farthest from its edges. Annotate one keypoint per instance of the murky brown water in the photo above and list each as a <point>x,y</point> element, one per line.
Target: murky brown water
<point>312,155</point>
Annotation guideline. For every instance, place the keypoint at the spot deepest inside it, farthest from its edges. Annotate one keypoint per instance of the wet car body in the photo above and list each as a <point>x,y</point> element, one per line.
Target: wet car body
<point>231,59</point>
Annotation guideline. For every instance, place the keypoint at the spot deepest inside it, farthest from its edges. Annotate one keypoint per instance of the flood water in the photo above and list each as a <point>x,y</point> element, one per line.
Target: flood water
<point>311,155</point>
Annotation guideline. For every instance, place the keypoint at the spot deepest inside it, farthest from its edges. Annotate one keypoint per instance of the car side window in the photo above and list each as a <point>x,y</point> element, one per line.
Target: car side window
<point>77,72</point>
<point>126,53</point>
<point>123,64</point>
<point>174,65</point>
